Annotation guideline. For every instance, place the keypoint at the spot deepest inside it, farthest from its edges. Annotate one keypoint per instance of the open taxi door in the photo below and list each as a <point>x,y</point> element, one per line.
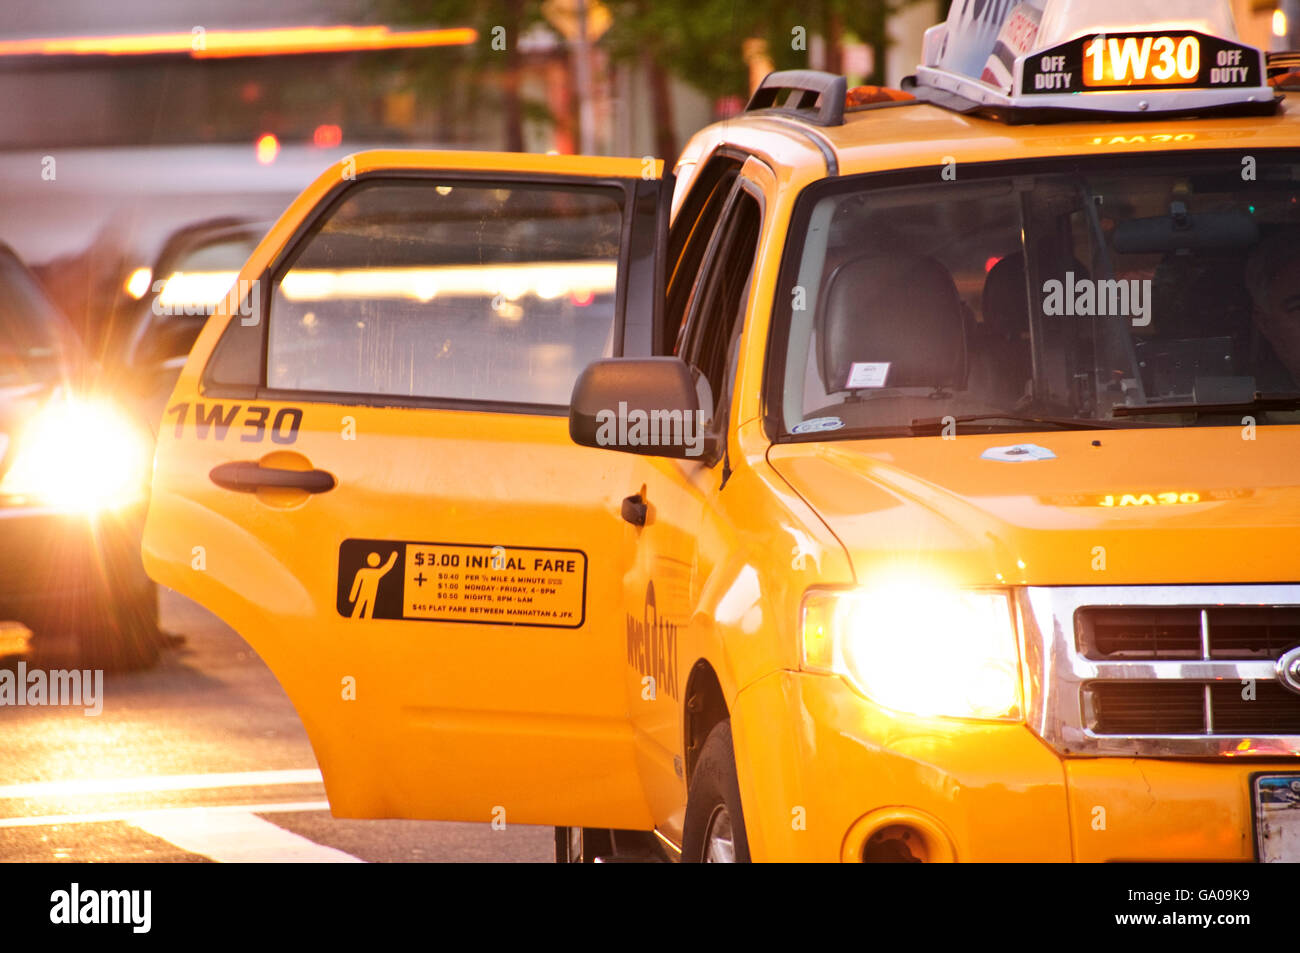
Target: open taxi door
<point>365,469</point>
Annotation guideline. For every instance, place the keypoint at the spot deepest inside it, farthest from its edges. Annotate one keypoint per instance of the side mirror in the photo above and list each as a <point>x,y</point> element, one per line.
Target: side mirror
<point>648,406</point>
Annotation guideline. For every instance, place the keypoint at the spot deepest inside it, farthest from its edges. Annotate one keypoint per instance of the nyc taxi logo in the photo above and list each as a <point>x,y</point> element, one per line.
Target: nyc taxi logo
<point>652,645</point>
<point>1167,498</point>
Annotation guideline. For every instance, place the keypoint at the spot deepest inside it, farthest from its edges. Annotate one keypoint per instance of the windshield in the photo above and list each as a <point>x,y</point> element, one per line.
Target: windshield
<point>1125,292</point>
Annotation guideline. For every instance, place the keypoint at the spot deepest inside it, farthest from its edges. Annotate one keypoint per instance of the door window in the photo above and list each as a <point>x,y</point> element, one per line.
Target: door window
<point>460,291</point>
<point>189,285</point>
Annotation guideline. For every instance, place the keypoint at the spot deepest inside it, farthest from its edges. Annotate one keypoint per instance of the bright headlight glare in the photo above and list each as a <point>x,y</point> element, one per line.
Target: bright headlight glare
<point>924,650</point>
<point>78,454</point>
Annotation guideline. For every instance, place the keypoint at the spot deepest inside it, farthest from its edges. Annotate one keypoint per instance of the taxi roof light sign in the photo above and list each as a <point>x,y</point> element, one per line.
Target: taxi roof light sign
<point>1110,56</point>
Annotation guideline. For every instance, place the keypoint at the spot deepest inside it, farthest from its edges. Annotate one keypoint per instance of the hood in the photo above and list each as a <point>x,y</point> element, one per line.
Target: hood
<point>1114,507</point>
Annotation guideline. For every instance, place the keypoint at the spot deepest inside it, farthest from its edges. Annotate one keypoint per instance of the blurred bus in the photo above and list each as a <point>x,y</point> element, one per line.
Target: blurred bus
<point>128,124</point>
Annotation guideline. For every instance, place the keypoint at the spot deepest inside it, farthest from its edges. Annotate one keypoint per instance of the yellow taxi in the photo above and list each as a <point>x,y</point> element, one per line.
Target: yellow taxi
<point>911,479</point>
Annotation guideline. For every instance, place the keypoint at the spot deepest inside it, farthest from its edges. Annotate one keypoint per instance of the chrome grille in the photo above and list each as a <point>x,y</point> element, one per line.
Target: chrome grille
<point>1230,632</point>
<point>1177,671</point>
<point>1142,708</point>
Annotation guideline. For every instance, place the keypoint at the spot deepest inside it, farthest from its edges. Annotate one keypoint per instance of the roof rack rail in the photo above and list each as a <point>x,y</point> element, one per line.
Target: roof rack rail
<point>806,94</point>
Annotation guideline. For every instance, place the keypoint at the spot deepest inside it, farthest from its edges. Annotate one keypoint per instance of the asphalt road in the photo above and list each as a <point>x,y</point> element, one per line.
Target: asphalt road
<point>199,759</point>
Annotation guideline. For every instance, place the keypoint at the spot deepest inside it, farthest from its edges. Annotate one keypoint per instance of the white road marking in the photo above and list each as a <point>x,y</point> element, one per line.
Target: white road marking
<point>164,782</point>
<point>237,837</point>
<point>231,833</point>
<point>103,817</point>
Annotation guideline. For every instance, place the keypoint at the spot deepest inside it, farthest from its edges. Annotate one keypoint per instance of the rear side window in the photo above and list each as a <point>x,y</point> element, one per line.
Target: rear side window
<point>191,283</point>
<point>717,316</point>
<point>461,291</point>
<point>690,236</point>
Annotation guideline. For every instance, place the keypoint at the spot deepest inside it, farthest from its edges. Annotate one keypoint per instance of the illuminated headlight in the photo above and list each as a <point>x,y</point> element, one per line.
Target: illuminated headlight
<point>83,455</point>
<point>921,649</point>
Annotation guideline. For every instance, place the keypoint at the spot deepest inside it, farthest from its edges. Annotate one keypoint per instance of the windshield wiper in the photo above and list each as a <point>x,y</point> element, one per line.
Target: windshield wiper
<point>1262,402</point>
<point>924,425</point>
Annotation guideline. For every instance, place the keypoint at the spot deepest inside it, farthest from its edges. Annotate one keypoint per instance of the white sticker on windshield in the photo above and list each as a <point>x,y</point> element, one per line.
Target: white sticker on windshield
<point>867,375</point>
<point>1019,453</point>
<point>818,425</point>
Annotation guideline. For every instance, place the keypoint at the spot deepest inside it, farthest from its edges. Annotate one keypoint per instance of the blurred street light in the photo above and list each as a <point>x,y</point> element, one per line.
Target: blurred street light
<point>268,147</point>
<point>1286,25</point>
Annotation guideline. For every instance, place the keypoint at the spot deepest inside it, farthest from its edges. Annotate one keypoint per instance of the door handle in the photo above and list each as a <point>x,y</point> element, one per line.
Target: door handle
<point>634,509</point>
<point>249,476</point>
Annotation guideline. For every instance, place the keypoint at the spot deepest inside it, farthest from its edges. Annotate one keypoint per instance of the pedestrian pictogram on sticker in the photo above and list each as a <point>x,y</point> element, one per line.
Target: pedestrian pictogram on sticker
<point>365,584</point>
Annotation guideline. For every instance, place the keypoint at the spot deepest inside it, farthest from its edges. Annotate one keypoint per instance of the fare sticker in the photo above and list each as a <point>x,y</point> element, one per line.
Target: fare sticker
<point>462,582</point>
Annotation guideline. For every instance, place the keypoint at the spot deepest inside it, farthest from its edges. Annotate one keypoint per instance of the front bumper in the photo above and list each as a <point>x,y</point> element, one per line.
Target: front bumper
<point>54,560</point>
<point>822,769</point>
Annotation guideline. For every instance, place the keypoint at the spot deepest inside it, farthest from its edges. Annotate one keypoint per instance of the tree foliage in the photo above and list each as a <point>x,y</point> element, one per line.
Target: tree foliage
<point>701,41</point>
<point>494,57</point>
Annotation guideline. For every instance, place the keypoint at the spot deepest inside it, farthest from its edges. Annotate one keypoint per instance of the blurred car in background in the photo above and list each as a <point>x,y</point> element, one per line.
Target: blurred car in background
<point>74,476</point>
<point>96,236</point>
<point>141,243</point>
<point>196,267</point>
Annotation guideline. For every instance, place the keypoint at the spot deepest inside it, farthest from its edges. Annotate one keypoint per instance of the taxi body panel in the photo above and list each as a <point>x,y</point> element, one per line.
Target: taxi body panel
<point>922,135</point>
<point>995,791</point>
<point>718,564</point>
<point>391,710</point>
<point>815,760</point>
<point>596,726</point>
<point>410,718</point>
<point>1232,522</point>
<point>1178,811</point>
<point>706,556</point>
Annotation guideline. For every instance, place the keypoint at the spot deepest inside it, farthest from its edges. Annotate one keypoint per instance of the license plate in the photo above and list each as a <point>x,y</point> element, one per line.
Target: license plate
<point>1277,818</point>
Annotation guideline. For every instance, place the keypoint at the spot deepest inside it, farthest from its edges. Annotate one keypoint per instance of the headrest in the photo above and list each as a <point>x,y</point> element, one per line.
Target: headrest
<point>900,310</point>
<point>1005,308</point>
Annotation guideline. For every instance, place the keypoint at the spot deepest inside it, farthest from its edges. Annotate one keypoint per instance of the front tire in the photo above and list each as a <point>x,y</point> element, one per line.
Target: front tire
<point>715,823</point>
